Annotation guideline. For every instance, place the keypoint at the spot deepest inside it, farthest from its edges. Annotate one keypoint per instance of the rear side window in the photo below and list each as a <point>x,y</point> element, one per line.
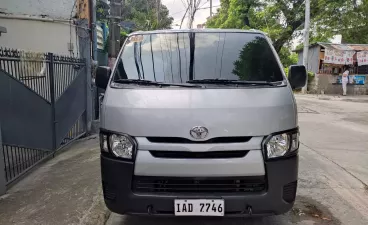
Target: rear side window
<point>180,57</point>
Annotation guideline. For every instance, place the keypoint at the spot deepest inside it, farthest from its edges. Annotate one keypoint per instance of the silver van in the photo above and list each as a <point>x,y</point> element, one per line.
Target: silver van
<point>199,123</point>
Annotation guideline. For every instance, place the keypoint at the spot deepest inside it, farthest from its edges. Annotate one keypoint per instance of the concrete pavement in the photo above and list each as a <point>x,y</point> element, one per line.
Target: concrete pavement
<point>348,98</point>
<point>64,190</point>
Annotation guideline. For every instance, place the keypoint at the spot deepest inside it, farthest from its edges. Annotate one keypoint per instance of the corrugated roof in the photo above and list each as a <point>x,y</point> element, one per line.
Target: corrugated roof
<point>342,47</point>
<point>345,47</point>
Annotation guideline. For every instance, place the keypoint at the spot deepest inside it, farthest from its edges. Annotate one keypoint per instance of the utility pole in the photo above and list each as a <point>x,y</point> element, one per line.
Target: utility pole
<point>114,39</point>
<point>190,14</point>
<point>210,8</point>
<point>306,40</point>
<point>93,24</point>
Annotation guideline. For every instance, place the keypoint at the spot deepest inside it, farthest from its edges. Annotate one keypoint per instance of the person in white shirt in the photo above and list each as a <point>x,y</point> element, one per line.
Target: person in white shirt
<point>344,81</point>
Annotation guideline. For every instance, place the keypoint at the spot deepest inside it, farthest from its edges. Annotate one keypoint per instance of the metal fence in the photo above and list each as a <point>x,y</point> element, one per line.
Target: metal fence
<point>42,107</point>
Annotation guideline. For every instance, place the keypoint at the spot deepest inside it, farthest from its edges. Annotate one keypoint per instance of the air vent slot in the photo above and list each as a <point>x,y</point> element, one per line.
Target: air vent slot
<point>198,185</point>
<point>199,155</point>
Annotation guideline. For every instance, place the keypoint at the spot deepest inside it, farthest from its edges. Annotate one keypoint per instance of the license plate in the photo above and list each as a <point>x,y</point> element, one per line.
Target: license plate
<point>199,207</point>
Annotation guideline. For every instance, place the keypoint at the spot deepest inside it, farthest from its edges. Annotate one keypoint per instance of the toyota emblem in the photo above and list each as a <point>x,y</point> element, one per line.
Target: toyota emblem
<point>198,132</point>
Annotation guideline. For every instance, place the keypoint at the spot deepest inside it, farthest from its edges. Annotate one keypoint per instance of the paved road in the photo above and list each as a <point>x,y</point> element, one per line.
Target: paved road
<point>333,175</point>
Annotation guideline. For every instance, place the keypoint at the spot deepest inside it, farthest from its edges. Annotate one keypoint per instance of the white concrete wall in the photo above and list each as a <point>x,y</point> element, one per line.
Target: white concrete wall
<point>38,36</point>
<point>52,8</point>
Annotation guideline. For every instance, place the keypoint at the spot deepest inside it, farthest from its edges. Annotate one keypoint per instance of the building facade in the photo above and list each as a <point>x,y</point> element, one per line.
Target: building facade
<point>40,26</point>
<point>328,61</point>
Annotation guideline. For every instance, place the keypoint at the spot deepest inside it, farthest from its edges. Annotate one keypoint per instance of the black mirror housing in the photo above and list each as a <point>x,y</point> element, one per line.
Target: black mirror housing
<point>297,76</point>
<point>103,74</point>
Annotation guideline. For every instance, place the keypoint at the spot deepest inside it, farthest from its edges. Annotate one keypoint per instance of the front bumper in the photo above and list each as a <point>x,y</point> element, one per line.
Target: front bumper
<point>278,198</point>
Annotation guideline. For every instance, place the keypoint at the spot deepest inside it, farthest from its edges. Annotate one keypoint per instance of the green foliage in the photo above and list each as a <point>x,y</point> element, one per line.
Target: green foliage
<point>144,14</point>
<point>249,66</point>
<point>123,36</point>
<point>102,11</point>
<point>286,70</point>
<point>283,20</point>
<point>287,58</point>
<point>346,17</point>
<point>310,76</point>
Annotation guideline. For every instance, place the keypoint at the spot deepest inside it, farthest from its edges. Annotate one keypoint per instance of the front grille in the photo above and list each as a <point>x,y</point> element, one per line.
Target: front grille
<point>198,185</point>
<point>216,140</point>
<point>289,192</point>
<point>198,155</point>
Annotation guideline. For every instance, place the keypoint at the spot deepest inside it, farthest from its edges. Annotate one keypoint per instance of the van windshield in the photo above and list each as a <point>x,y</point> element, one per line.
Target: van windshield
<point>186,57</point>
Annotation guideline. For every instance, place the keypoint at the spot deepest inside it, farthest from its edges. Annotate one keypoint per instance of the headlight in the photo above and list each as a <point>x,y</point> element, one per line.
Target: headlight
<point>283,144</point>
<point>121,146</point>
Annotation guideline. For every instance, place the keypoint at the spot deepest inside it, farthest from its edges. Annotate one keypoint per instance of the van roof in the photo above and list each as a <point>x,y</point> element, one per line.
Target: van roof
<point>198,31</point>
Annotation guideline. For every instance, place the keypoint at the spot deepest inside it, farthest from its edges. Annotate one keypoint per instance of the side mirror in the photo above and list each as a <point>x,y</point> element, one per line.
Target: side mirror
<point>102,76</point>
<point>297,76</point>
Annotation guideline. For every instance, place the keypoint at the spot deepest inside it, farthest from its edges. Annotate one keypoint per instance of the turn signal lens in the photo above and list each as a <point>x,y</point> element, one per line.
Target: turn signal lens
<point>294,142</point>
<point>103,143</point>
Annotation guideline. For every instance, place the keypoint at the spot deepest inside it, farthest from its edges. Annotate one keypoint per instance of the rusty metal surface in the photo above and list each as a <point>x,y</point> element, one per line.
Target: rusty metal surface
<point>346,47</point>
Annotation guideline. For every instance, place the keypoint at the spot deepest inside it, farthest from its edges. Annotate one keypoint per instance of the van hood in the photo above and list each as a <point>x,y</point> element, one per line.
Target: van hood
<point>173,112</point>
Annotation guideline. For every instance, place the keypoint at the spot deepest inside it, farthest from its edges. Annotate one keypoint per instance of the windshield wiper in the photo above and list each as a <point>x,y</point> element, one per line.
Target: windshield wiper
<point>154,83</point>
<point>241,82</point>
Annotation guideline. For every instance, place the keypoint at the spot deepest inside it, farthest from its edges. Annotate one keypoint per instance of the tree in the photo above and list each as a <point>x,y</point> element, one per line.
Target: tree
<point>254,62</point>
<point>288,58</point>
<point>102,11</point>
<point>354,23</point>
<point>144,14</point>
<point>280,19</point>
<point>192,7</point>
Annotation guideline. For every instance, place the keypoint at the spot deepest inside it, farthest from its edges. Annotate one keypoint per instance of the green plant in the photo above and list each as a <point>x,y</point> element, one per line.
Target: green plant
<point>310,76</point>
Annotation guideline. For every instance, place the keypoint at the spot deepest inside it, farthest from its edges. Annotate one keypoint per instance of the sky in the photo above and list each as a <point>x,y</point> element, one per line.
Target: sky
<point>177,10</point>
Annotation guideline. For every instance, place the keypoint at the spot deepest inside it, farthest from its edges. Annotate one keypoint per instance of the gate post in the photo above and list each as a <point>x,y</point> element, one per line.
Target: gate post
<point>52,100</point>
<point>2,168</point>
<point>85,52</point>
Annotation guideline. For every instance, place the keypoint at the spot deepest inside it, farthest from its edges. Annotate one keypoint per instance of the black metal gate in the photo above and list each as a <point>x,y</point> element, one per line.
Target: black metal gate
<point>42,107</point>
